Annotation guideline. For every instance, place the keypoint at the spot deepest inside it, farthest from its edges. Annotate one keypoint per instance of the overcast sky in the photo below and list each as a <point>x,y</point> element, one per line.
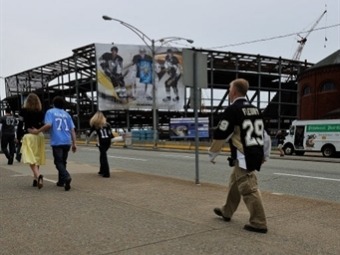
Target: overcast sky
<point>37,32</point>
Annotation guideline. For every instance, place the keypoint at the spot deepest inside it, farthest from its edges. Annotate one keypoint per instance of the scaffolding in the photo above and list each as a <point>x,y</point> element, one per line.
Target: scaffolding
<point>273,89</point>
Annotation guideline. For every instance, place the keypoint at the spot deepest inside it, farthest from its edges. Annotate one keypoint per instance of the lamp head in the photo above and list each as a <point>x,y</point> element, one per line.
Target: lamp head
<point>106,17</point>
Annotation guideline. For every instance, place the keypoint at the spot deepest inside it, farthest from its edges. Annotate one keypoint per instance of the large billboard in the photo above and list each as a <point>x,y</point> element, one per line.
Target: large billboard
<point>181,128</point>
<point>125,77</point>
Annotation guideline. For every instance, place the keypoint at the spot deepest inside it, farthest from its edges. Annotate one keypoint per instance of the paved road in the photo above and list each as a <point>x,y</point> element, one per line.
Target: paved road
<point>300,176</point>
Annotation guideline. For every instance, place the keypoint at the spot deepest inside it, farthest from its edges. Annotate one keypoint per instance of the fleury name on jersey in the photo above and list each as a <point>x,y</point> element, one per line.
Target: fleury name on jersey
<point>250,111</point>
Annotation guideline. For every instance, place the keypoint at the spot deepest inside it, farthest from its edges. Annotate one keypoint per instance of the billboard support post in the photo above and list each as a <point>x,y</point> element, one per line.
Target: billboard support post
<point>197,179</point>
<point>195,76</point>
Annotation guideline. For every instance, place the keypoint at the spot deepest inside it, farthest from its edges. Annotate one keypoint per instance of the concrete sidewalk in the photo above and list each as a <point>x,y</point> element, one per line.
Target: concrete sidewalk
<point>132,213</point>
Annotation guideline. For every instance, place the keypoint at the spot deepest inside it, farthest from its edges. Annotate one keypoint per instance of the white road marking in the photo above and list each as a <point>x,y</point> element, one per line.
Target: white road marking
<point>88,149</point>
<point>176,155</point>
<point>139,159</point>
<point>278,194</point>
<point>49,180</point>
<point>25,175</point>
<point>311,177</point>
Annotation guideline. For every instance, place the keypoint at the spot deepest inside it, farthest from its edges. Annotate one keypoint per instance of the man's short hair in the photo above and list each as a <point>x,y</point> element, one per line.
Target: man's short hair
<point>241,85</point>
<point>58,102</point>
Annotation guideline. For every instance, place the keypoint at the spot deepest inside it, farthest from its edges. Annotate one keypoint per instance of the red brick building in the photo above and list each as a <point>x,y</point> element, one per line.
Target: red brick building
<point>319,90</point>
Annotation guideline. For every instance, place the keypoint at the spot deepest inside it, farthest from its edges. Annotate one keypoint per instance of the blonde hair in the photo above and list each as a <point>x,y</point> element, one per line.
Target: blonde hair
<point>241,86</point>
<point>32,102</point>
<point>98,120</point>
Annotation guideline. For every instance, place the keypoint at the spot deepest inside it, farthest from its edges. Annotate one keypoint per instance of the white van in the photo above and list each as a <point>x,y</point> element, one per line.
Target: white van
<point>313,136</point>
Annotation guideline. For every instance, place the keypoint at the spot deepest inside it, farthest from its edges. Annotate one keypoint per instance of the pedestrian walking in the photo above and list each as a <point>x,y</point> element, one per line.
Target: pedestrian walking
<point>242,125</point>
<point>103,129</point>
<point>62,139</point>
<point>280,136</point>
<point>32,146</point>
<point>8,124</point>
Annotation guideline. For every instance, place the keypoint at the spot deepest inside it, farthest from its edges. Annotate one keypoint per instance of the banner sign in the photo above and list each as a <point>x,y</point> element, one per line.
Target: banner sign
<point>125,77</point>
<point>181,128</point>
<point>323,128</point>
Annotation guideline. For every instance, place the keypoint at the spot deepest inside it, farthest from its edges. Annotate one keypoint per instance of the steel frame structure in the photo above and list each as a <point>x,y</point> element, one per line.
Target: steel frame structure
<point>273,87</point>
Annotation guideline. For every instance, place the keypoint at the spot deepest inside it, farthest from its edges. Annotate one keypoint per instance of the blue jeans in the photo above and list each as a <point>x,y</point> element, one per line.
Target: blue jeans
<point>60,154</point>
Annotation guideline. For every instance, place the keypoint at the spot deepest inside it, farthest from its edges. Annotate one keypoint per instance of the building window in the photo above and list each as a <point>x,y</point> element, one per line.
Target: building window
<point>306,91</point>
<point>327,86</point>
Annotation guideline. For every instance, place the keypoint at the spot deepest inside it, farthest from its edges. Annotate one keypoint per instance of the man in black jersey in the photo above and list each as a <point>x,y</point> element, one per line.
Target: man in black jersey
<point>8,123</point>
<point>242,125</point>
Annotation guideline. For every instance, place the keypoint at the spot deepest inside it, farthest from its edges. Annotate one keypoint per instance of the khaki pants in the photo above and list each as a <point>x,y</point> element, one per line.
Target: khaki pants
<point>244,183</point>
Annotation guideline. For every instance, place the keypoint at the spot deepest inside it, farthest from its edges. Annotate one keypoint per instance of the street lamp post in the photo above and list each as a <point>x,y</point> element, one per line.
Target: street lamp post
<point>3,78</point>
<point>150,43</point>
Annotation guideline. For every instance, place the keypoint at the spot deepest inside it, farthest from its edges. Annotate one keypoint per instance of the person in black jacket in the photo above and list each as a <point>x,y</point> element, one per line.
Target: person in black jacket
<point>242,125</point>
<point>33,146</point>
<point>280,136</point>
<point>104,134</point>
<point>8,123</point>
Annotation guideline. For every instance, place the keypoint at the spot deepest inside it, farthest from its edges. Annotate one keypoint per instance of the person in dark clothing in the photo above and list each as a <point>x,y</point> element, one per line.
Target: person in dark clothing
<point>242,125</point>
<point>8,123</point>
<point>104,133</point>
<point>33,146</point>
<point>280,136</point>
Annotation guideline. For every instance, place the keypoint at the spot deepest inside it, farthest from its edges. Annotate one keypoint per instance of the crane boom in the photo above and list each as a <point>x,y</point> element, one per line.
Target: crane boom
<point>303,40</point>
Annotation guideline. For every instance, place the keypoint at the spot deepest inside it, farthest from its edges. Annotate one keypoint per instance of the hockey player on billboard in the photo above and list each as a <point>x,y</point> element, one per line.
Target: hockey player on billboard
<point>143,64</point>
<point>171,66</point>
<point>112,65</point>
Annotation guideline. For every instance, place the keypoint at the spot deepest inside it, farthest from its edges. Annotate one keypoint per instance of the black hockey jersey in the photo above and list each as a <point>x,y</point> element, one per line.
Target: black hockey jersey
<point>8,125</point>
<point>242,125</point>
<point>104,134</point>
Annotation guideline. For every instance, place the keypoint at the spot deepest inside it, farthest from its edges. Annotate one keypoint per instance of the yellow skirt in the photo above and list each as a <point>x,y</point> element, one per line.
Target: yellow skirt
<point>33,149</point>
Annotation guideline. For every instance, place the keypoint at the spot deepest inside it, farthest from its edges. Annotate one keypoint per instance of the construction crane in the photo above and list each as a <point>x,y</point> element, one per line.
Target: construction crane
<point>303,40</point>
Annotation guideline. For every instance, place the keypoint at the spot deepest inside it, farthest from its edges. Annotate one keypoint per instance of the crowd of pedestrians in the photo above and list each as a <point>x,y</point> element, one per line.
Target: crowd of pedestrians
<point>241,124</point>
